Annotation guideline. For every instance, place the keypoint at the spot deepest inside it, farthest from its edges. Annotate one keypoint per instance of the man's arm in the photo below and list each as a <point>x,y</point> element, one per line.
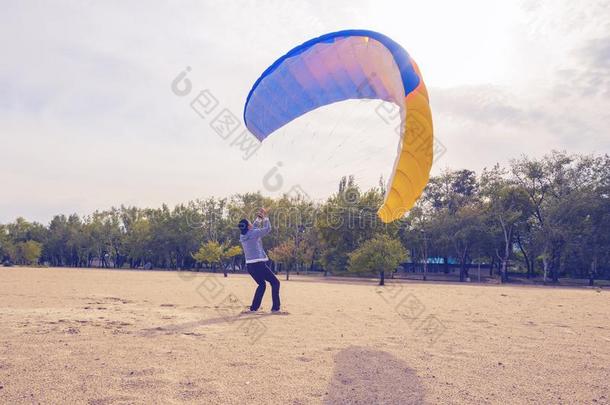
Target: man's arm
<point>261,227</point>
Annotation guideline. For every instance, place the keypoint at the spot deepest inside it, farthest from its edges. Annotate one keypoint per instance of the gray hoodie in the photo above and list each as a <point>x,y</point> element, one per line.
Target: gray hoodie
<point>252,242</point>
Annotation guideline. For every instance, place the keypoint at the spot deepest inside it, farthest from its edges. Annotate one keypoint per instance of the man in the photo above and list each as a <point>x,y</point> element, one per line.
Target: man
<point>256,259</point>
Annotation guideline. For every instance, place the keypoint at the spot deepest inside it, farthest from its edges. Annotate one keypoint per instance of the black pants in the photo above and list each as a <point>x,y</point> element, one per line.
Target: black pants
<point>260,272</point>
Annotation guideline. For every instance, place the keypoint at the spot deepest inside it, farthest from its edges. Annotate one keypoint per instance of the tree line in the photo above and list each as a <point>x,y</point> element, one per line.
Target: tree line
<point>546,217</point>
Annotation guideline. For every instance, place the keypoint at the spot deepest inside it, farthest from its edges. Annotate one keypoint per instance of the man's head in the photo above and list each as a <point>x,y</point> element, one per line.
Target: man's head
<point>244,225</point>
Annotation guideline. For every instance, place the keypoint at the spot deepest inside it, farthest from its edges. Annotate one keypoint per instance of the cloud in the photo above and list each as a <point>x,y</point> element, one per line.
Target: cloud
<point>87,118</point>
<point>591,76</point>
<point>484,104</point>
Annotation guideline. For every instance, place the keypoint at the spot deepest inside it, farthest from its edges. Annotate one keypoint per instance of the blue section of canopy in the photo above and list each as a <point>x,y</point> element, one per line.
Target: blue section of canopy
<point>322,71</point>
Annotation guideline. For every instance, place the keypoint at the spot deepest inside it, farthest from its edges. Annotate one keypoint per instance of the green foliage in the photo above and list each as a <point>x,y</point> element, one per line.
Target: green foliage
<point>379,254</point>
<point>210,252</point>
<point>284,253</point>
<point>348,219</point>
<point>7,247</point>
<point>233,251</point>
<point>549,216</point>
<point>28,252</point>
<point>214,253</point>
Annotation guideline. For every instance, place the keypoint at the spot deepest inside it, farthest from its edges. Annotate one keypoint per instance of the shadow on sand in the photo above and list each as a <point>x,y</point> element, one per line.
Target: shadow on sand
<point>366,376</point>
<point>189,326</point>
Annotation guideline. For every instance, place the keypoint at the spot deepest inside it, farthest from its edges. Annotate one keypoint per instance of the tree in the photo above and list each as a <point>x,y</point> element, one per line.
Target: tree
<point>451,190</point>
<point>379,254</point>
<point>210,253</point>
<point>28,252</point>
<point>232,252</point>
<point>554,185</point>
<point>346,220</point>
<point>509,208</point>
<point>284,254</point>
<point>138,236</point>
<point>450,204</point>
<point>466,228</point>
<point>293,217</point>
<point>550,215</point>
<point>7,247</point>
<point>415,233</point>
<point>214,253</point>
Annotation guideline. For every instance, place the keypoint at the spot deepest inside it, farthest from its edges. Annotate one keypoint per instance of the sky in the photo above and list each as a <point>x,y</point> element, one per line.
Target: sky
<point>89,120</point>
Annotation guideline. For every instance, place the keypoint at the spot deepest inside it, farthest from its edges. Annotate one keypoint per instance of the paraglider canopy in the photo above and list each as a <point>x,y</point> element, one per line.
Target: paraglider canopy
<point>352,64</point>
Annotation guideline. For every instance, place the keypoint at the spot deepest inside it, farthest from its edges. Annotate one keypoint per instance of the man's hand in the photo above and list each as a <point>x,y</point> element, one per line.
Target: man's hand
<point>262,213</point>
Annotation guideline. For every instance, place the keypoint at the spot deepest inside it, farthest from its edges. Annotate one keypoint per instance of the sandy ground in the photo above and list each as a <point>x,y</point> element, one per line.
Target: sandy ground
<point>119,337</point>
